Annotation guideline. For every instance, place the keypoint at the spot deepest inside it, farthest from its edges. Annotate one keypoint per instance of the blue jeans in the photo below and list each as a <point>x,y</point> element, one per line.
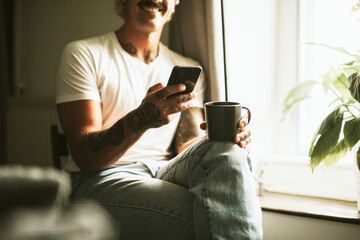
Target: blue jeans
<point>206,192</point>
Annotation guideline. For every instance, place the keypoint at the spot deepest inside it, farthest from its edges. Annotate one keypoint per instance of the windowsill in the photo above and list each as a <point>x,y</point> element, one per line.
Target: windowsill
<point>319,208</point>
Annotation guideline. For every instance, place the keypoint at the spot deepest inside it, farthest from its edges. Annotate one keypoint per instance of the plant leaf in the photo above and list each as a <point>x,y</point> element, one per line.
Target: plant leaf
<point>352,132</point>
<point>297,94</point>
<point>326,137</point>
<point>339,151</point>
<point>339,49</point>
<point>343,100</point>
<point>358,159</point>
<point>327,80</point>
<point>354,85</point>
<point>341,83</point>
<point>351,70</point>
<point>349,63</point>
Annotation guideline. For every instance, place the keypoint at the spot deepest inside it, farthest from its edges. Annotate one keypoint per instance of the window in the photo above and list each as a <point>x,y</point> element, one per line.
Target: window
<point>334,25</point>
<point>267,55</point>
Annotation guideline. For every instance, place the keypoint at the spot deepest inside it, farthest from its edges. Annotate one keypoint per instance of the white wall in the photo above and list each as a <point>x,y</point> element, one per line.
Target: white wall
<point>42,30</point>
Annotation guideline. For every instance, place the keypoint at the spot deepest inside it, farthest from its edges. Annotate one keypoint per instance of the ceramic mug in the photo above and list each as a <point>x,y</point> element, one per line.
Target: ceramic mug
<point>222,120</point>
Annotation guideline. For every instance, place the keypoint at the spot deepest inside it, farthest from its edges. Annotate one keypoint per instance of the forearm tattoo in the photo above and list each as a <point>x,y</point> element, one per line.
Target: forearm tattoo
<point>145,117</point>
<point>188,127</point>
<point>113,136</point>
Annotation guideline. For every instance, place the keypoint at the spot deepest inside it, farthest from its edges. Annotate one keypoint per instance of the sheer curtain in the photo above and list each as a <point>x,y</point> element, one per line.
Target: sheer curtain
<point>196,32</point>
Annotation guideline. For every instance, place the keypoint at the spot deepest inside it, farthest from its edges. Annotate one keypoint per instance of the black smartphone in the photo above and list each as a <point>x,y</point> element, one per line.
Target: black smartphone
<point>185,75</point>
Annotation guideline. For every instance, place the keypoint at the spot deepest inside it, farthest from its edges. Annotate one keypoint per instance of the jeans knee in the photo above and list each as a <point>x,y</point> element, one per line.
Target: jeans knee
<point>226,154</point>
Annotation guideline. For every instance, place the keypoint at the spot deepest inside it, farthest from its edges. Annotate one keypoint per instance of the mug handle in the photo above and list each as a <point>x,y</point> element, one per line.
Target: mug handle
<point>249,114</point>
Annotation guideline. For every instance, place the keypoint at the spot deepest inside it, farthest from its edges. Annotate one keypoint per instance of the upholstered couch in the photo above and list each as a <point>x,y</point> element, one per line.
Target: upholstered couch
<point>34,204</point>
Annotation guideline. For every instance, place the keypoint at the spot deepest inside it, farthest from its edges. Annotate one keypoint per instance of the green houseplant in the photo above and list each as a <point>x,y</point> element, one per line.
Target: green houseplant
<point>339,132</point>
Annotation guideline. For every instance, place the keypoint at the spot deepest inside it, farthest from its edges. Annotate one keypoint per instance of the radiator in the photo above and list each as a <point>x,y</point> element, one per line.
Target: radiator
<point>28,131</point>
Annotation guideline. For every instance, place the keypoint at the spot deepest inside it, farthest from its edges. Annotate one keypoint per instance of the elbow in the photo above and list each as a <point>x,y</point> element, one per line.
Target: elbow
<point>86,168</point>
<point>87,163</point>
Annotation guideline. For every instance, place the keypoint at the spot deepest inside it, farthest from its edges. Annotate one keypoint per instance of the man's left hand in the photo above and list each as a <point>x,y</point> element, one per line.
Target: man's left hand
<point>243,138</point>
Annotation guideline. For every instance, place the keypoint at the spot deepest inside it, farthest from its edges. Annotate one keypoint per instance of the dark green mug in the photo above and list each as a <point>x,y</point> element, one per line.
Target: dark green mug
<point>222,120</point>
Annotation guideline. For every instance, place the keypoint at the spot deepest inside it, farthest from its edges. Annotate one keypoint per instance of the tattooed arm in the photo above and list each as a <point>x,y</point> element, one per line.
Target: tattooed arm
<point>94,148</point>
<point>91,147</point>
<point>188,130</point>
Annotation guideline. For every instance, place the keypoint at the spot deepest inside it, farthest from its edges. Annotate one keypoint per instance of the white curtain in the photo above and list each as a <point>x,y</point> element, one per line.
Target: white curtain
<point>196,32</point>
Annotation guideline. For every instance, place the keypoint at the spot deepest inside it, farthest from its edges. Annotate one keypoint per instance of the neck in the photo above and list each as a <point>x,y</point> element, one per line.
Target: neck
<point>143,46</point>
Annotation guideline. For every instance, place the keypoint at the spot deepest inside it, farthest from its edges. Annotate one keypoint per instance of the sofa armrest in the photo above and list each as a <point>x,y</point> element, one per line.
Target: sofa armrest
<point>32,187</point>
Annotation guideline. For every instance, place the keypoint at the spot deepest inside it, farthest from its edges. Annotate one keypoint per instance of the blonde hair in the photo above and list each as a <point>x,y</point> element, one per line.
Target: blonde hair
<point>119,5</point>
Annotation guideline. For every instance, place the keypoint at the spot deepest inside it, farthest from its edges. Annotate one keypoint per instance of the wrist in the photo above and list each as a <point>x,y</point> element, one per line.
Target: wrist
<point>135,123</point>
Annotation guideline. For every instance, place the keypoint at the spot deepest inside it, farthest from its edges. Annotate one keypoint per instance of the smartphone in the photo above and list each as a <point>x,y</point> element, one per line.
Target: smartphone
<point>185,75</point>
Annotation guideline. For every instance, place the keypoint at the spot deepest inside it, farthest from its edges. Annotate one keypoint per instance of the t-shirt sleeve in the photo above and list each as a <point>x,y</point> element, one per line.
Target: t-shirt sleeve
<point>76,78</point>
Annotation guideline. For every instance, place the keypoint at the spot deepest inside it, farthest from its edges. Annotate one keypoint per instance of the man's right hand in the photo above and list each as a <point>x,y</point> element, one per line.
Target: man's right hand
<point>157,107</point>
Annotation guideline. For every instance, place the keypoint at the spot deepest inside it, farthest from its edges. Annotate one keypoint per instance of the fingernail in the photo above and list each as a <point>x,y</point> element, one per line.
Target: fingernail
<point>183,87</point>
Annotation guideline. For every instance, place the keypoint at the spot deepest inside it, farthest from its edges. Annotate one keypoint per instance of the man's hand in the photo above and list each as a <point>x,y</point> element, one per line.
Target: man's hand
<point>243,138</point>
<point>157,106</point>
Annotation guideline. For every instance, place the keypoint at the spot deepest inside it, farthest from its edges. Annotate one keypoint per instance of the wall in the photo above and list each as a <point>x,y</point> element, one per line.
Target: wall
<point>42,29</point>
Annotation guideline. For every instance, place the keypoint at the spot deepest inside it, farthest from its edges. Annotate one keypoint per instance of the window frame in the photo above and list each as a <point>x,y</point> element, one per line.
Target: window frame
<point>276,166</point>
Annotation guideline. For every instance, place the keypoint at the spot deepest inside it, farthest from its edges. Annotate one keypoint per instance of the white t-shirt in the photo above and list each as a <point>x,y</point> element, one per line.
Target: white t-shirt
<point>100,69</point>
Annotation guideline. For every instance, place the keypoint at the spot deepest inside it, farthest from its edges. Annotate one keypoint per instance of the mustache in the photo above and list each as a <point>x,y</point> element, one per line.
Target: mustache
<point>152,4</point>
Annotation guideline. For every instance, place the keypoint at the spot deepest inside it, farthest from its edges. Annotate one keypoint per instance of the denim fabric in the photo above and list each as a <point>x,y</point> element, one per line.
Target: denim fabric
<point>207,192</point>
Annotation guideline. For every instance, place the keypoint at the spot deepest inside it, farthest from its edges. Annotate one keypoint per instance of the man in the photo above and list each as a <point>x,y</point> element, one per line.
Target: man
<point>123,129</point>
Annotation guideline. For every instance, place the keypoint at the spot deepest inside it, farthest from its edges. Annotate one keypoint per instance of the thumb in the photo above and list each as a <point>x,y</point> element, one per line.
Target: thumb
<point>156,87</point>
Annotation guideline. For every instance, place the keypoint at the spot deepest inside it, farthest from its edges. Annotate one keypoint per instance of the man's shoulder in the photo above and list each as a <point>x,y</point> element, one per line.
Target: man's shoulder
<point>99,38</point>
<point>92,44</point>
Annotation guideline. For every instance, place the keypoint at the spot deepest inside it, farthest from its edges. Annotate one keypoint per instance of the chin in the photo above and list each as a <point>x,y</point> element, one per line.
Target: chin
<point>153,26</point>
